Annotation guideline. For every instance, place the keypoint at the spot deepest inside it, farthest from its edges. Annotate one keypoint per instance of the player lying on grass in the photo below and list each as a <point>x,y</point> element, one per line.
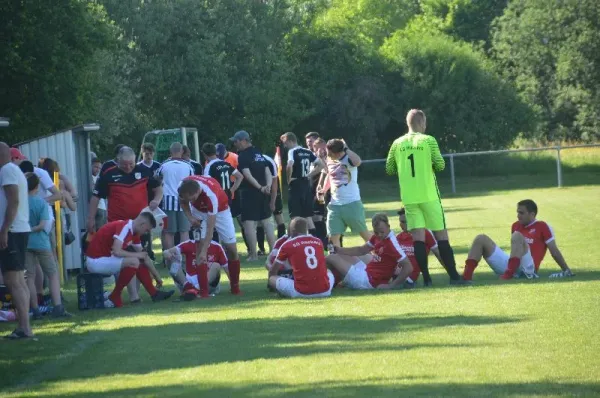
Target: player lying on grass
<point>106,254</point>
<point>387,257</point>
<point>198,280</point>
<point>305,254</point>
<point>204,202</point>
<point>528,243</point>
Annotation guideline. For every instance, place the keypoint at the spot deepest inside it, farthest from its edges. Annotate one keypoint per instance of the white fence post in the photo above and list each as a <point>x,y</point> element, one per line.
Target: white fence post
<point>558,167</point>
<point>452,178</point>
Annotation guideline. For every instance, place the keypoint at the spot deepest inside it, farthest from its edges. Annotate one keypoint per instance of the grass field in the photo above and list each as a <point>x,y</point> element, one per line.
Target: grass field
<point>521,338</point>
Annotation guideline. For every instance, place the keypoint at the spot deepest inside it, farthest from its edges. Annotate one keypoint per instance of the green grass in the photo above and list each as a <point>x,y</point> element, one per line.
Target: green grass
<point>521,338</point>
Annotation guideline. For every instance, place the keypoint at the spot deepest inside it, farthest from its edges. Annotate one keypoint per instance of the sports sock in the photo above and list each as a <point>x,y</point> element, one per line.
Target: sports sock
<point>144,276</point>
<point>234,276</point>
<point>513,266</point>
<point>215,236</point>
<point>125,276</point>
<point>341,240</point>
<point>470,266</point>
<point>313,232</point>
<point>321,232</point>
<point>202,271</point>
<point>260,238</point>
<point>40,299</point>
<point>280,230</point>
<point>447,255</point>
<point>421,256</point>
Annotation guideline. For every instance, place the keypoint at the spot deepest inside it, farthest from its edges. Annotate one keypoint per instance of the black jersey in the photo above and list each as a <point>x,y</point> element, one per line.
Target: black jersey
<point>301,159</point>
<point>221,171</point>
<point>253,160</point>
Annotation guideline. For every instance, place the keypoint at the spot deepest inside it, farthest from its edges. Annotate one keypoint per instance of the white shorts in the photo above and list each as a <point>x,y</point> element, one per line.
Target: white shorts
<point>357,277</point>
<point>498,262</point>
<point>224,225</point>
<point>193,279</point>
<point>104,265</point>
<point>286,288</point>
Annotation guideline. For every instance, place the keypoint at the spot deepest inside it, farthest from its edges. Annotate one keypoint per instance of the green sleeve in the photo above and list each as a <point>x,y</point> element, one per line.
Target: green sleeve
<point>390,163</point>
<point>436,157</point>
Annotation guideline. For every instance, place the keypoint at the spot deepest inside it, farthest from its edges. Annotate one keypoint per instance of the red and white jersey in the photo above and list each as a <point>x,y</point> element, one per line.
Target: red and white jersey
<point>406,243</point>
<point>306,255</point>
<point>212,199</point>
<point>273,254</point>
<point>537,234</point>
<point>214,255</point>
<point>102,241</point>
<point>387,253</point>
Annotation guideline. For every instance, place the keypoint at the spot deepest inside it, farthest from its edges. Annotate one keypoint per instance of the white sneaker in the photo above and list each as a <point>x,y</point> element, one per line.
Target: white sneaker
<point>108,303</point>
<point>562,274</point>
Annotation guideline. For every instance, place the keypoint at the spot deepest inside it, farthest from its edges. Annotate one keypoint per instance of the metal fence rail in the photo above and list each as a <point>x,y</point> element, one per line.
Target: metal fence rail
<point>557,148</point>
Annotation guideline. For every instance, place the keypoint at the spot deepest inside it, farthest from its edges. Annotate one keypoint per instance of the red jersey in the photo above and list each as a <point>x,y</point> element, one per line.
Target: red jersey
<point>278,243</point>
<point>406,243</point>
<point>212,199</point>
<point>305,254</point>
<point>214,255</point>
<point>537,235</point>
<point>102,241</point>
<point>387,253</point>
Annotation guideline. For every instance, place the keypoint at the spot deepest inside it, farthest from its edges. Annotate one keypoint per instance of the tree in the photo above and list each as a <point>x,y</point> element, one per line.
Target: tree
<point>551,50</point>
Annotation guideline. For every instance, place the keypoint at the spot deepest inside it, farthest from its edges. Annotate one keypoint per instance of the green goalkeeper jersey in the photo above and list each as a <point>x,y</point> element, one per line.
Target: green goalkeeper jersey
<point>415,157</point>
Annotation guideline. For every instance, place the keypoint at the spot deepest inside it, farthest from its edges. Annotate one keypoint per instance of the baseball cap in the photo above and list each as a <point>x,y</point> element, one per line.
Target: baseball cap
<point>15,154</point>
<point>221,150</point>
<point>241,135</point>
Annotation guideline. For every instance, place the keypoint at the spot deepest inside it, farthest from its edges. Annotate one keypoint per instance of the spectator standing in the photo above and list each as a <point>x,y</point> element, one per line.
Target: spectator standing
<point>100,217</point>
<point>148,152</point>
<point>14,231</point>
<point>276,204</point>
<point>171,173</point>
<point>224,154</point>
<point>345,209</point>
<point>255,191</point>
<point>112,162</point>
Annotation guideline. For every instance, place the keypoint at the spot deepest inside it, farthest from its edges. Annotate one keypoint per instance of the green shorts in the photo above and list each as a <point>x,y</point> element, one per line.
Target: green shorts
<point>428,215</point>
<point>340,217</point>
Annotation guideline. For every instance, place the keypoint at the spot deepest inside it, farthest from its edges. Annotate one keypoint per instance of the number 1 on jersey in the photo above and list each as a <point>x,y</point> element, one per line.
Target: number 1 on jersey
<point>225,181</point>
<point>305,167</point>
<point>411,157</point>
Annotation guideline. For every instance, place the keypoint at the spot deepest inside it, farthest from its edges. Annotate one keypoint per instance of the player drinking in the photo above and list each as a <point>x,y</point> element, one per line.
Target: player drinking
<point>305,254</point>
<point>415,157</point>
<point>199,280</point>
<point>387,258</point>
<point>204,201</point>
<point>528,243</point>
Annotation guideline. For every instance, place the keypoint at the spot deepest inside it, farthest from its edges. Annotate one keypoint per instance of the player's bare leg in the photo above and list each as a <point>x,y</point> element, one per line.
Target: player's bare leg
<point>518,248</point>
<point>405,270</point>
<point>447,255</point>
<point>366,235</point>
<point>340,264</point>
<point>250,231</point>
<point>335,240</point>
<point>482,247</point>
<point>269,232</point>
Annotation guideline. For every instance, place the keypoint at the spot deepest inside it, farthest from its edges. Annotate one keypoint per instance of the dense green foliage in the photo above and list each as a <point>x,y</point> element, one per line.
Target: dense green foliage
<point>485,71</point>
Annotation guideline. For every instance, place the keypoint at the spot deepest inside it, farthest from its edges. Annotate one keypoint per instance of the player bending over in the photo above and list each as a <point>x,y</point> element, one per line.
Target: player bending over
<point>528,243</point>
<point>204,201</point>
<point>387,256</point>
<point>305,254</point>
<point>199,280</point>
<point>107,254</point>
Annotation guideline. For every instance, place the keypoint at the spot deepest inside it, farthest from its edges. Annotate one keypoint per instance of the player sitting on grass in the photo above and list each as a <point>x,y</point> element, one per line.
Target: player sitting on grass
<point>406,243</point>
<point>198,280</point>
<point>528,243</point>
<point>387,256</point>
<point>107,254</point>
<point>287,268</point>
<point>305,254</point>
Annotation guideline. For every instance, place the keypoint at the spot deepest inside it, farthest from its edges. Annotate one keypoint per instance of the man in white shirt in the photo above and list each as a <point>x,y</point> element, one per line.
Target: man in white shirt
<point>14,231</point>
<point>172,172</point>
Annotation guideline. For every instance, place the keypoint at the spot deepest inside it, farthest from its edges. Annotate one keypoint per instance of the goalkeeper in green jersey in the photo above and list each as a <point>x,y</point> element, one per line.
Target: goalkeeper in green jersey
<point>415,157</point>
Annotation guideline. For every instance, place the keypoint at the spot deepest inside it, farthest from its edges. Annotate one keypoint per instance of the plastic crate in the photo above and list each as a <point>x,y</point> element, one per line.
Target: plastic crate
<point>90,291</point>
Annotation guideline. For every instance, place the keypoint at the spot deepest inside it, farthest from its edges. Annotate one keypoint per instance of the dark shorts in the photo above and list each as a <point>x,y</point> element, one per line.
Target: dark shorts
<point>278,204</point>
<point>235,205</point>
<point>300,199</point>
<point>255,205</point>
<point>13,257</point>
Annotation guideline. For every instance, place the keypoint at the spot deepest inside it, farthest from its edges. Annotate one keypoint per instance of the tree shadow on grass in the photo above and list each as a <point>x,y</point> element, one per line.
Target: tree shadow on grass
<point>145,349</point>
<point>373,387</point>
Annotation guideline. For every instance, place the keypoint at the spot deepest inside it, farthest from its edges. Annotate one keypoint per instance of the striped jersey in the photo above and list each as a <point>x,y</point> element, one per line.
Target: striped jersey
<point>172,172</point>
<point>415,157</point>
